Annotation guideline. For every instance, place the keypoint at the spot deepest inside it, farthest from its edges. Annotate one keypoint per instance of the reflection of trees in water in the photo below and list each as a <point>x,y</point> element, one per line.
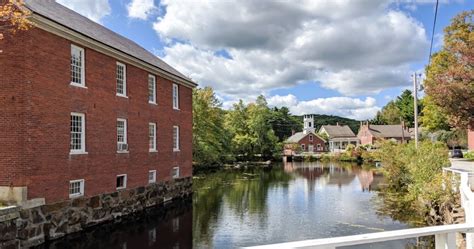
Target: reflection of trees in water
<point>244,191</point>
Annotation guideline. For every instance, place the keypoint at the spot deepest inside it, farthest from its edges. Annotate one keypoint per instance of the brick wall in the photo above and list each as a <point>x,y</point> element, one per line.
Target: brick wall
<point>365,136</point>
<point>470,136</point>
<point>36,107</point>
<point>315,142</point>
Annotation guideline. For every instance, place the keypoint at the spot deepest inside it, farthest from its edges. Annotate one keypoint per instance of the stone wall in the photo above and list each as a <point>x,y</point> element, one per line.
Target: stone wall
<point>33,226</point>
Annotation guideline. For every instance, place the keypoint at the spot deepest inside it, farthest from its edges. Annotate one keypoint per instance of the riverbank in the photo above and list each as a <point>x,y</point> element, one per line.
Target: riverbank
<point>27,227</point>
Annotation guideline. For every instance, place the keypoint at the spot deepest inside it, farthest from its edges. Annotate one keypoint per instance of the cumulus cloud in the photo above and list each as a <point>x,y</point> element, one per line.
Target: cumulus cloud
<point>92,9</point>
<point>353,47</point>
<point>341,106</point>
<point>141,9</point>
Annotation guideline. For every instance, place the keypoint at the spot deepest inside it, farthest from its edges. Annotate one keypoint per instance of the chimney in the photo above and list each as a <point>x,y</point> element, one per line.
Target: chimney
<point>292,132</point>
<point>337,123</point>
<point>368,125</point>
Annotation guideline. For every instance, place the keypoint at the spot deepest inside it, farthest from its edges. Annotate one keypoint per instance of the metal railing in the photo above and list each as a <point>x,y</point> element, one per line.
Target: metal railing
<point>445,236</point>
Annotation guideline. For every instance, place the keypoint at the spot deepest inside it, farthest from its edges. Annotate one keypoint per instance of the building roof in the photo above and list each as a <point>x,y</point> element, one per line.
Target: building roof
<point>295,138</point>
<point>388,131</point>
<point>338,131</point>
<point>59,14</point>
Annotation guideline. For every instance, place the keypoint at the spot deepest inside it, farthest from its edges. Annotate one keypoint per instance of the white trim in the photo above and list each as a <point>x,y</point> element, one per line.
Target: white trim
<point>81,188</point>
<point>154,176</point>
<point>151,76</point>
<point>177,172</point>
<point>177,138</point>
<point>67,33</point>
<point>124,94</point>
<point>154,137</point>
<point>83,134</point>
<point>175,95</point>
<point>125,131</point>
<point>83,67</point>
<point>124,181</point>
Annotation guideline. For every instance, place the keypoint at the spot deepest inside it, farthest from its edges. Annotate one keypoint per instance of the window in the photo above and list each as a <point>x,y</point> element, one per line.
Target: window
<point>152,137</point>
<point>175,172</point>
<point>122,145</point>
<point>152,176</point>
<point>78,133</point>
<point>309,124</point>
<point>76,188</point>
<point>121,181</point>
<point>318,146</point>
<point>175,97</point>
<point>121,79</point>
<point>151,89</point>
<point>302,146</point>
<point>311,138</point>
<point>77,66</point>
<point>175,138</point>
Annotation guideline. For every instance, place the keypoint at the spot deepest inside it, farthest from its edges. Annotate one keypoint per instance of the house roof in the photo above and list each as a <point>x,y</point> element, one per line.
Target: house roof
<point>388,131</point>
<point>59,14</point>
<point>295,138</point>
<point>338,131</point>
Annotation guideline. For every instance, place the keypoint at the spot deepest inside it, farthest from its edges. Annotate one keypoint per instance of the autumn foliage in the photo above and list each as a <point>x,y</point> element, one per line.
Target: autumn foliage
<point>13,17</point>
<point>450,76</point>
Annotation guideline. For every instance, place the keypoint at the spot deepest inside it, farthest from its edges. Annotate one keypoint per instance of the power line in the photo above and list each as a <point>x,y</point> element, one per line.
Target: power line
<point>433,32</point>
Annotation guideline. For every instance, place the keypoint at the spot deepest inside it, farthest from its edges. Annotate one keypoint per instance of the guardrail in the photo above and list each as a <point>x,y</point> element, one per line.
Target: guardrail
<point>445,236</point>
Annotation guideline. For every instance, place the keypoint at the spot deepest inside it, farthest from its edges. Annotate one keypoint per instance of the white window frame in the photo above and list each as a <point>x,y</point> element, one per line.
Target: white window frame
<point>175,96</point>
<point>176,136</point>
<point>124,181</point>
<point>303,146</point>
<point>83,134</point>
<point>150,76</point>
<point>81,188</point>
<point>175,172</point>
<point>125,130</point>
<point>319,147</point>
<point>153,148</point>
<point>311,138</point>
<point>153,180</point>
<point>83,66</point>
<point>124,94</point>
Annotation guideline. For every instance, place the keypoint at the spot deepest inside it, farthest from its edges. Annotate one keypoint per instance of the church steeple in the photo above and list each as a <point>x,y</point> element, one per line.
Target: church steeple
<point>308,121</point>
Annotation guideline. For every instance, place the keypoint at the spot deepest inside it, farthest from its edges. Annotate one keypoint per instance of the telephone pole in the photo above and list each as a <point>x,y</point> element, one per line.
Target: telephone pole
<point>415,100</point>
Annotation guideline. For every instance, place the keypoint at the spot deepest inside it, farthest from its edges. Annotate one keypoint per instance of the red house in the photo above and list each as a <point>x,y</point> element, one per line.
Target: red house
<point>306,141</point>
<point>85,111</point>
<point>470,136</point>
<point>369,134</point>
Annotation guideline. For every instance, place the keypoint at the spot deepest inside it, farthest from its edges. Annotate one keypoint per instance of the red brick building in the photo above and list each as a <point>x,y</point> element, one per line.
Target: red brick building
<point>306,141</point>
<point>470,136</point>
<point>85,111</point>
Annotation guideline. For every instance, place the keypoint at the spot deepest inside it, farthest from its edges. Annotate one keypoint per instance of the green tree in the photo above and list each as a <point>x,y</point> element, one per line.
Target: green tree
<point>398,110</point>
<point>263,136</point>
<point>211,142</point>
<point>450,75</point>
<point>283,123</point>
<point>433,119</point>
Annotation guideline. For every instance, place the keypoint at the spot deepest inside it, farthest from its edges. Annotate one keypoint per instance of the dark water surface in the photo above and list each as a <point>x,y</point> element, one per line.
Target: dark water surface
<point>234,208</point>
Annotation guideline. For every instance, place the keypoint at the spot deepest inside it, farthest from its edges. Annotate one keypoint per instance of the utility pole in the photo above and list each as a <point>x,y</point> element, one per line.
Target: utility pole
<point>415,100</point>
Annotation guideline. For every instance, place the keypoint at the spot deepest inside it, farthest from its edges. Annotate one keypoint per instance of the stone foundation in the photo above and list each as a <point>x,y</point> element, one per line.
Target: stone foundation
<point>28,227</point>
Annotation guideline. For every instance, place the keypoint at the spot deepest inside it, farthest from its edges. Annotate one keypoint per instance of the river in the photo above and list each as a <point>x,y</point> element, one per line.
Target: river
<point>244,207</point>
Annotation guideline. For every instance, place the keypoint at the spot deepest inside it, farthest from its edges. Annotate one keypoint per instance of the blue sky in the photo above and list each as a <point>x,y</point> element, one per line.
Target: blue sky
<point>346,58</point>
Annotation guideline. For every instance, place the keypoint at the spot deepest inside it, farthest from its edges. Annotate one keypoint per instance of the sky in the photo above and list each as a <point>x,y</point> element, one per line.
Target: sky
<point>336,57</point>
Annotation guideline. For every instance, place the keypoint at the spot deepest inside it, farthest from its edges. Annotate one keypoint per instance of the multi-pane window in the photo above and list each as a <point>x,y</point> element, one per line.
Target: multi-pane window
<point>175,172</point>
<point>77,66</point>
<point>176,138</point>
<point>175,96</point>
<point>121,79</point>
<point>78,133</point>
<point>311,138</point>
<point>152,176</point>
<point>152,136</point>
<point>121,181</point>
<point>151,89</point>
<point>318,146</point>
<point>122,135</point>
<point>302,147</point>
<point>76,188</point>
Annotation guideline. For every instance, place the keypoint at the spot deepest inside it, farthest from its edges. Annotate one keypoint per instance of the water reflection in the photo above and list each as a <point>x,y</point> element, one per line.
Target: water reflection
<point>245,207</point>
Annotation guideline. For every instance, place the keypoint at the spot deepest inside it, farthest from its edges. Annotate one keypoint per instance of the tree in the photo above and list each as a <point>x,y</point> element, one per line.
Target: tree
<point>261,131</point>
<point>398,110</point>
<point>283,123</point>
<point>211,142</point>
<point>433,118</point>
<point>13,17</point>
<point>450,75</point>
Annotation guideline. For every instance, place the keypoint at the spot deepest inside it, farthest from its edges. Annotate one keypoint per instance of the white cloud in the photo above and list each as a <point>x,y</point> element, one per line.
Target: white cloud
<point>141,9</point>
<point>341,106</point>
<point>92,9</point>
<point>353,47</point>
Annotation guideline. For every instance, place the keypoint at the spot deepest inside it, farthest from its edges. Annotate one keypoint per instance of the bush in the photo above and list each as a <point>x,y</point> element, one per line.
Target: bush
<point>469,155</point>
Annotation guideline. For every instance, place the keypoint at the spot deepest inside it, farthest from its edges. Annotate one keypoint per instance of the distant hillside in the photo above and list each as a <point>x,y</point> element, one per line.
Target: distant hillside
<point>320,120</point>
